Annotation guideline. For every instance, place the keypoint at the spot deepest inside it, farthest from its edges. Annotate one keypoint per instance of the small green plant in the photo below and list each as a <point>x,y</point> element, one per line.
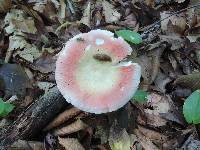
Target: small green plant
<point>130,36</point>
<point>5,108</point>
<point>191,108</point>
<point>140,96</point>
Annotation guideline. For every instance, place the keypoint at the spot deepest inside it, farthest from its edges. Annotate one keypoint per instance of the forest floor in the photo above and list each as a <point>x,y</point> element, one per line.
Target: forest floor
<point>33,32</point>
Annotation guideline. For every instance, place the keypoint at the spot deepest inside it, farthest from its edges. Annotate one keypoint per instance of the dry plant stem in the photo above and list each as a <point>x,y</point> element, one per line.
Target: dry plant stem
<point>190,59</point>
<point>72,128</point>
<point>63,117</point>
<point>35,118</point>
<point>175,13</point>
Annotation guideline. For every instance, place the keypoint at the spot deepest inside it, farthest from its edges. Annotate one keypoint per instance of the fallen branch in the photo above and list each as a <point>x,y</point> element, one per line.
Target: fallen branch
<point>35,118</point>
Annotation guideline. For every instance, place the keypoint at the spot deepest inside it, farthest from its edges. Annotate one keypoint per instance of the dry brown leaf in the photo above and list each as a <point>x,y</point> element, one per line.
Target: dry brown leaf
<point>189,81</point>
<point>25,145</point>
<point>161,81</point>
<point>74,127</point>
<point>160,105</point>
<point>5,5</point>
<point>176,20</point>
<point>145,141</point>
<point>32,13</point>
<point>119,139</point>
<point>150,3</point>
<point>111,14</point>
<point>64,116</point>
<point>46,63</point>
<point>70,143</point>
<point>175,41</point>
<point>86,15</point>
<point>154,136</point>
<point>150,64</point>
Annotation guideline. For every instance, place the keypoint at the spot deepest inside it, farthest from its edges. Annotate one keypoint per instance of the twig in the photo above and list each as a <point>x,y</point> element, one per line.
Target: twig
<point>175,13</point>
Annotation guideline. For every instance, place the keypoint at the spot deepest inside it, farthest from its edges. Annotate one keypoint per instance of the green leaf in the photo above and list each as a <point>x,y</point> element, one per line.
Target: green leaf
<point>140,96</point>
<point>191,108</point>
<point>5,108</point>
<point>130,36</point>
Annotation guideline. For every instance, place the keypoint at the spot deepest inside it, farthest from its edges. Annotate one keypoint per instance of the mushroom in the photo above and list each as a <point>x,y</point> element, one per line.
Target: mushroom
<point>91,74</point>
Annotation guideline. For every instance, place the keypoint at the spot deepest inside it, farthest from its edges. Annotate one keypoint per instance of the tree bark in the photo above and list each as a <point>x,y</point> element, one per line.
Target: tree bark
<point>35,118</point>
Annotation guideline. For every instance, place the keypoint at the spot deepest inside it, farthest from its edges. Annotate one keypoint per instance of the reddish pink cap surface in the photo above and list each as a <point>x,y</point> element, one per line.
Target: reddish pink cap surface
<point>89,75</point>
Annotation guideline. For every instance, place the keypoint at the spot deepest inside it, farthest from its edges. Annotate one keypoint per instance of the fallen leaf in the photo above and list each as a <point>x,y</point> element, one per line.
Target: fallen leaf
<point>102,133</point>
<point>176,20</point>
<point>111,14</point>
<point>63,117</point>
<point>154,136</point>
<point>5,5</point>
<point>16,21</point>
<point>175,41</point>
<point>30,53</point>
<point>161,81</point>
<point>46,63</point>
<point>145,141</point>
<point>86,15</point>
<point>150,64</point>
<point>70,143</point>
<point>119,139</point>
<point>25,145</point>
<point>159,105</point>
<point>189,81</point>
<point>74,127</point>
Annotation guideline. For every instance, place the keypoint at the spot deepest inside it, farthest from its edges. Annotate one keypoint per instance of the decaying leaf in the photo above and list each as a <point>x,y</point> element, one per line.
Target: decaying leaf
<point>74,127</point>
<point>154,136</point>
<point>119,139</point>
<point>30,53</point>
<point>161,81</point>
<point>25,145</point>
<point>111,14</point>
<point>45,63</point>
<point>150,64</point>
<point>176,20</point>
<point>189,81</point>
<point>145,141</point>
<point>162,109</point>
<point>175,41</point>
<point>160,105</point>
<point>5,5</point>
<point>86,15</point>
<point>63,117</point>
<point>103,133</point>
<point>70,143</point>
<point>18,22</point>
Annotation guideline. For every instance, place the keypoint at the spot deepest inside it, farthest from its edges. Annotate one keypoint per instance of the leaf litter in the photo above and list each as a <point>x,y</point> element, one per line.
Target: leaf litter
<point>32,34</point>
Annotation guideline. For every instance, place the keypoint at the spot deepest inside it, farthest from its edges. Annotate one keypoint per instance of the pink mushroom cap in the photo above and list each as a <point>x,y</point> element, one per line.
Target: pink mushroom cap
<point>91,77</point>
